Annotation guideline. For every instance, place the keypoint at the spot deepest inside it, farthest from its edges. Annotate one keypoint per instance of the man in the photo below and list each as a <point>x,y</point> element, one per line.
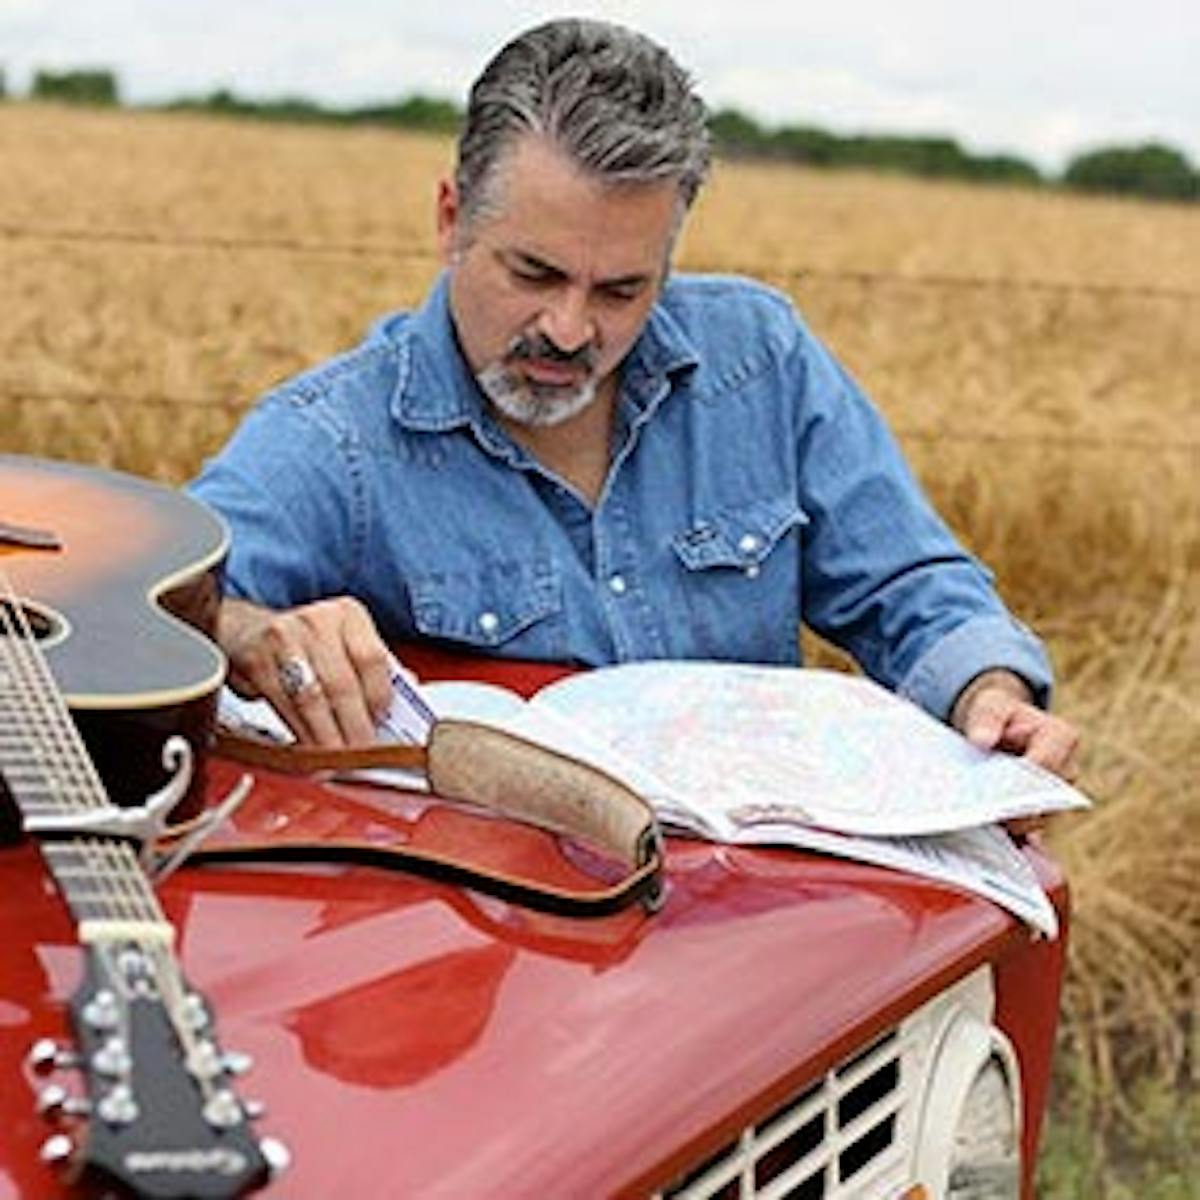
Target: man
<point>567,454</point>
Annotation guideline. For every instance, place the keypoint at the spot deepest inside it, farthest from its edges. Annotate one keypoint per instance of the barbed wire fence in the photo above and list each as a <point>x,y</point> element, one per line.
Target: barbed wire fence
<point>358,249</point>
<point>111,406</point>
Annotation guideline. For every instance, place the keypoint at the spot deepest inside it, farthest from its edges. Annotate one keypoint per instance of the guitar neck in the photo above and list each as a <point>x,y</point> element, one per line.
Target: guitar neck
<point>166,1120</point>
<point>106,889</point>
<point>48,772</point>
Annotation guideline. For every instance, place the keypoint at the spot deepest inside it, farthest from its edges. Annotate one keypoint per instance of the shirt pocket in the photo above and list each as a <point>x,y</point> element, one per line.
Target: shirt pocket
<point>741,537</point>
<point>742,579</point>
<point>512,607</point>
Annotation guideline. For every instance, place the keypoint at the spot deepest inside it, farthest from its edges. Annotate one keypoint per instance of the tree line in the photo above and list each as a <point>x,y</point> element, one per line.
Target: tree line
<point>1150,169</point>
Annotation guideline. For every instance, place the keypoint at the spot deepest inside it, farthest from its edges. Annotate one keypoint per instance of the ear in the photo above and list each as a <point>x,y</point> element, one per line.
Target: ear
<point>447,220</point>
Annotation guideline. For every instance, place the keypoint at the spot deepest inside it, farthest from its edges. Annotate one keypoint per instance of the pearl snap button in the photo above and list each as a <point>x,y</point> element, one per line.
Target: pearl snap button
<point>617,585</point>
<point>489,622</point>
<point>747,543</point>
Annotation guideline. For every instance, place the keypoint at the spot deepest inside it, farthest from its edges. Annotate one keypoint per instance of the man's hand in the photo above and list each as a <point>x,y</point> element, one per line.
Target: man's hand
<point>996,712</point>
<point>323,666</point>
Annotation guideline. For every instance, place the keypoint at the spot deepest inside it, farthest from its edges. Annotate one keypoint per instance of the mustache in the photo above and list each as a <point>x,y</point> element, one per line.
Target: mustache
<point>539,346</point>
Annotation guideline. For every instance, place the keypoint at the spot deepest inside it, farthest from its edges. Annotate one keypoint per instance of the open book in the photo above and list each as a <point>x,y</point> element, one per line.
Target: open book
<point>782,756</point>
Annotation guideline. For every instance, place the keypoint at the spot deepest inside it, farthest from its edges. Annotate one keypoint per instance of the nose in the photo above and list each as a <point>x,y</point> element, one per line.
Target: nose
<point>567,319</point>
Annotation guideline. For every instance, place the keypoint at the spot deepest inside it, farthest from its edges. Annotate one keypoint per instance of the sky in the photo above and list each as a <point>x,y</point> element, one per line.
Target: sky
<point>1043,79</point>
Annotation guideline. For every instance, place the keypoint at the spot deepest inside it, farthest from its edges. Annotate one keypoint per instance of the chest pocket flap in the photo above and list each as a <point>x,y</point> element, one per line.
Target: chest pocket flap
<point>487,606</point>
<point>739,536</point>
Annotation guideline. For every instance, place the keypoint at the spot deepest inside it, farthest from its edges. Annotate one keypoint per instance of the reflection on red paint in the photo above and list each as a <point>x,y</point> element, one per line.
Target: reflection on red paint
<point>397,1030</point>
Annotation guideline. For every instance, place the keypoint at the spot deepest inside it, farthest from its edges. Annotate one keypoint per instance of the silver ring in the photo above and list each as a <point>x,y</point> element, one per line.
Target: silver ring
<point>296,675</point>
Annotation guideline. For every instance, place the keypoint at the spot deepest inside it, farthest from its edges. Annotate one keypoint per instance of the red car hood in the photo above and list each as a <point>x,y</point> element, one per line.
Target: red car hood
<point>412,1038</point>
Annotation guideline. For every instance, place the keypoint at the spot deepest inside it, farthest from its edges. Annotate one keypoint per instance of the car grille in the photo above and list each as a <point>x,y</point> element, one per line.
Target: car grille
<point>848,1135</point>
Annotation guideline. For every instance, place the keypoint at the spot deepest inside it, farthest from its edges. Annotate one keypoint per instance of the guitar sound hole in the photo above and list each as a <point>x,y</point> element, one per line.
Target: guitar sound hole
<point>19,620</point>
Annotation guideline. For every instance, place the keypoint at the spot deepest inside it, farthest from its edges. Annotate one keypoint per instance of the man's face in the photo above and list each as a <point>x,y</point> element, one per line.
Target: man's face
<point>551,285</point>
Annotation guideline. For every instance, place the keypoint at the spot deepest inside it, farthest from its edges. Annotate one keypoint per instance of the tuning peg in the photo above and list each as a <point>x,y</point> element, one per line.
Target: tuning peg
<point>255,1109</point>
<point>113,1058</point>
<point>117,1106</point>
<point>203,1060</point>
<point>195,1011</point>
<point>51,1099</point>
<point>223,1110</point>
<point>236,1062</point>
<point>56,1099</point>
<point>57,1150</point>
<point>46,1055</point>
<point>278,1156</point>
<point>103,1011</point>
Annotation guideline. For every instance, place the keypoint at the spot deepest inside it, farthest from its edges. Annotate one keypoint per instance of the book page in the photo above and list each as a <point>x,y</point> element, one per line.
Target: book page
<point>748,744</point>
<point>983,861</point>
<point>469,700</point>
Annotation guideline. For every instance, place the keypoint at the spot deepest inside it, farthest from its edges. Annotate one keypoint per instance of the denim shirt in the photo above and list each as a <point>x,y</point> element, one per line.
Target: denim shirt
<point>751,486</point>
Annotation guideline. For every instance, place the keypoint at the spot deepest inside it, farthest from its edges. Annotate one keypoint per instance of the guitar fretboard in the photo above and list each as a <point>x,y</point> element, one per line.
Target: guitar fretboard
<point>47,771</point>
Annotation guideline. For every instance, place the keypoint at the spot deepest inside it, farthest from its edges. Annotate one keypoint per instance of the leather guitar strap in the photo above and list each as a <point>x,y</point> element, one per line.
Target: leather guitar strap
<point>491,769</point>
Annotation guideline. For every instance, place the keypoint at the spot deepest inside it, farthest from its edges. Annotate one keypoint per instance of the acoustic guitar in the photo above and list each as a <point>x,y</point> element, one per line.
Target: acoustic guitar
<point>81,623</point>
<point>119,579</point>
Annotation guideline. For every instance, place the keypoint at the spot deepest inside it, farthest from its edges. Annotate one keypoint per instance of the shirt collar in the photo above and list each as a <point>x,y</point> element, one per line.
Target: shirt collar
<point>436,390</point>
<point>662,352</point>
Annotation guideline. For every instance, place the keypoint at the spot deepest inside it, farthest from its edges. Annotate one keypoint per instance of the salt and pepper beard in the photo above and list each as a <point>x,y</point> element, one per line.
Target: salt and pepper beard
<point>537,404</point>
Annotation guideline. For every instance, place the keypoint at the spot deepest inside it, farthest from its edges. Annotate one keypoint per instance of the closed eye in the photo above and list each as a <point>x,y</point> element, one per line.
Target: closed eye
<point>534,276</point>
<point>622,291</point>
<point>529,270</point>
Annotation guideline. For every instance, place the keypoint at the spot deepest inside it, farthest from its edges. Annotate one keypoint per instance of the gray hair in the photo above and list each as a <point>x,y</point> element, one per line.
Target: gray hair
<point>611,99</point>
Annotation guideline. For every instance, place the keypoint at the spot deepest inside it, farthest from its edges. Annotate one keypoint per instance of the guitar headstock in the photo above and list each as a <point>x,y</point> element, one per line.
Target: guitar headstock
<point>161,1117</point>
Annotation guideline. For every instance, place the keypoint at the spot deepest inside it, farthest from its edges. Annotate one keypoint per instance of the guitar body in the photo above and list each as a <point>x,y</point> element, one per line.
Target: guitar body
<point>124,605</point>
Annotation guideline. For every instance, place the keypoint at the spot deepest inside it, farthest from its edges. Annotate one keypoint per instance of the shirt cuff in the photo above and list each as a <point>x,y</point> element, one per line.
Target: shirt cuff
<point>978,644</point>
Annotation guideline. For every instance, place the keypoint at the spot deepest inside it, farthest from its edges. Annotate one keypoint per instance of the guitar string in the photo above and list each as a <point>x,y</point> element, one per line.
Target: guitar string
<point>29,689</point>
<point>110,862</point>
<point>71,783</point>
<point>72,861</point>
<point>16,631</point>
<point>45,714</point>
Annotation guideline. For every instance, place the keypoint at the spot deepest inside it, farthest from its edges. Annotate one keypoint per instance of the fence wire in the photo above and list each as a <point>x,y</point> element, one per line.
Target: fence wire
<point>223,407</point>
<point>792,275</point>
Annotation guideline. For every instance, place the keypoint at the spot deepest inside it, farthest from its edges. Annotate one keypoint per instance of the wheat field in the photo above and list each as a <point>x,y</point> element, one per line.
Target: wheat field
<point>1037,353</point>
